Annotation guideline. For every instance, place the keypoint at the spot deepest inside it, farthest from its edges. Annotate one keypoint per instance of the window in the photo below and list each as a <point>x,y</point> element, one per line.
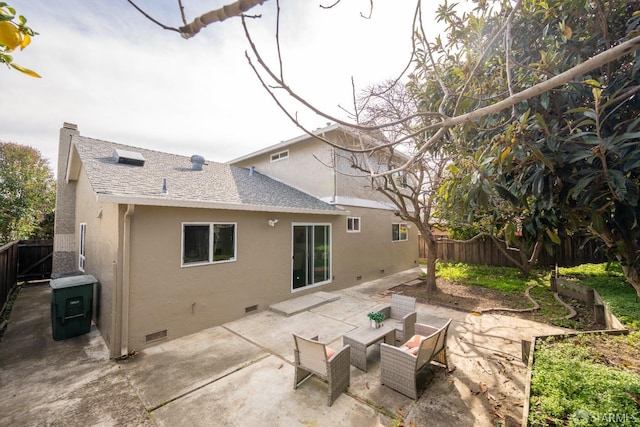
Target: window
<point>399,232</point>
<point>206,243</point>
<point>400,179</point>
<point>279,156</point>
<point>81,247</point>
<point>353,224</point>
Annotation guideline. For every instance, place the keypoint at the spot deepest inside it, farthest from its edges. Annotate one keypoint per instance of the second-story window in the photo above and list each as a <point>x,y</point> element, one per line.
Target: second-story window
<point>279,156</point>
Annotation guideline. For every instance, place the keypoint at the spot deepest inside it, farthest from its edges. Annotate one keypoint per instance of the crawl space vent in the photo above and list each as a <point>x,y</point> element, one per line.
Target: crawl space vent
<point>128,157</point>
<point>155,336</point>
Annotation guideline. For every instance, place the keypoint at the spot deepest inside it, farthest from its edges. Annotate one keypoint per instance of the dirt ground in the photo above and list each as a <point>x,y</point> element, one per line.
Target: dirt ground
<point>616,352</point>
<point>477,298</point>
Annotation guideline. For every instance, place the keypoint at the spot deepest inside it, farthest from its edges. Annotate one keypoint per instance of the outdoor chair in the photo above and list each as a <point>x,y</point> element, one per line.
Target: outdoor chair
<point>315,358</point>
<point>401,314</point>
<point>400,366</point>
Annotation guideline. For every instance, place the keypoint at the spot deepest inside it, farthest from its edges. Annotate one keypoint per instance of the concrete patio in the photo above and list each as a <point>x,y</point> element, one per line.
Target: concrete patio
<point>241,372</point>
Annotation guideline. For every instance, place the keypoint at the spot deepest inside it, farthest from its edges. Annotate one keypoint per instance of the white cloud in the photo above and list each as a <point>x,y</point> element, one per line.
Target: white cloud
<point>121,78</point>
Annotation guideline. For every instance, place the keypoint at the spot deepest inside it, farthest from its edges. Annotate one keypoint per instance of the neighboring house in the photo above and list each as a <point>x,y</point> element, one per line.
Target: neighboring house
<point>179,244</point>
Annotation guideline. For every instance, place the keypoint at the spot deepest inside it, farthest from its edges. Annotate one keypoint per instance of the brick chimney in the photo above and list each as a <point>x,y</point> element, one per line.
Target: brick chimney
<point>65,250</point>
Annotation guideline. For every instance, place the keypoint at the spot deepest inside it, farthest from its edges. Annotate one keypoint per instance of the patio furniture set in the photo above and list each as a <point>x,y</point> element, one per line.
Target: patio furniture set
<point>400,366</point>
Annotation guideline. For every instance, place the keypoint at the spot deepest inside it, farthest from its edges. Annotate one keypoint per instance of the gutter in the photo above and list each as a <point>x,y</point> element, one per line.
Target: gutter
<point>183,203</point>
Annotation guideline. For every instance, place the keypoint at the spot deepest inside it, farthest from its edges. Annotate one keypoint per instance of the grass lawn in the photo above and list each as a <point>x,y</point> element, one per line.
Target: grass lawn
<point>584,380</point>
<point>591,380</point>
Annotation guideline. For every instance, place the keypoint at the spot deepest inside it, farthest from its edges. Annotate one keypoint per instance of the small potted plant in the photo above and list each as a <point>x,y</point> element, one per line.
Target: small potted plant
<point>376,318</point>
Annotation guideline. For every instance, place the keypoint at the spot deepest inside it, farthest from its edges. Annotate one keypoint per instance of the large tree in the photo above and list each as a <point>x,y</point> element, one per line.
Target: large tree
<point>27,192</point>
<point>568,160</point>
<point>413,189</point>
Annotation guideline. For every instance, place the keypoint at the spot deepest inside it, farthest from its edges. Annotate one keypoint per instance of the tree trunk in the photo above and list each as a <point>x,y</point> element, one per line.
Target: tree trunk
<point>631,269</point>
<point>431,246</point>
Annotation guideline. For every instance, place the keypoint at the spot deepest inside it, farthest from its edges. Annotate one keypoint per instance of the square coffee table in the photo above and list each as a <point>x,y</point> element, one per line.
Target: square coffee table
<point>361,338</point>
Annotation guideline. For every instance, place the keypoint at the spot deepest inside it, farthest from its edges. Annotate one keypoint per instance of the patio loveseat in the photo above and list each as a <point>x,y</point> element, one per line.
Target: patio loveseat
<point>400,366</point>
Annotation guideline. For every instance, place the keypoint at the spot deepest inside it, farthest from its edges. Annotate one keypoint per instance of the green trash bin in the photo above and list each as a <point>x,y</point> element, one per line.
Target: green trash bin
<point>71,306</point>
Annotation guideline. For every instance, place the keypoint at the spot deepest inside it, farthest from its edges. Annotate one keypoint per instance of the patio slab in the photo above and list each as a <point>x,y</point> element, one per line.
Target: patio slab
<point>168,371</point>
<point>241,373</point>
<point>263,394</point>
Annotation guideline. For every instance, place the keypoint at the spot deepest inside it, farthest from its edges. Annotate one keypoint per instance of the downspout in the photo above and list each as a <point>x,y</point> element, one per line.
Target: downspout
<point>335,175</point>
<point>126,265</point>
<point>114,339</point>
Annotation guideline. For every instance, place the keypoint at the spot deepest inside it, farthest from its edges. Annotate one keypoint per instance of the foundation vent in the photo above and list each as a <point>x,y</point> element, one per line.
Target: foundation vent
<point>156,336</point>
<point>250,308</point>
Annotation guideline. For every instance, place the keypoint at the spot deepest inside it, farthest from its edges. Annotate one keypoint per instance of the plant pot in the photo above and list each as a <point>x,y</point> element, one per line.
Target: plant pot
<point>375,325</point>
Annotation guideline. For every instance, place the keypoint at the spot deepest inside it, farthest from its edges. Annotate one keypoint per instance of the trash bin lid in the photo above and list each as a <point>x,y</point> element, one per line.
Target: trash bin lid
<point>67,282</point>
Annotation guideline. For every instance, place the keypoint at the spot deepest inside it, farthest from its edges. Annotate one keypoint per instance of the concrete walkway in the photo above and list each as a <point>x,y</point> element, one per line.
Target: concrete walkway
<point>241,373</point>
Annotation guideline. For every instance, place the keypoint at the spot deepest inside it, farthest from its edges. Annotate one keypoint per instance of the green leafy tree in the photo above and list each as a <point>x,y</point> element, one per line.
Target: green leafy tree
<point>567,160</point>
<point>27,193</point>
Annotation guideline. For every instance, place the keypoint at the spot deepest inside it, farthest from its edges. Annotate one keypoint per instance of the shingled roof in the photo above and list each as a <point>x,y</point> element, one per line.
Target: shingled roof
<point>217,185</point>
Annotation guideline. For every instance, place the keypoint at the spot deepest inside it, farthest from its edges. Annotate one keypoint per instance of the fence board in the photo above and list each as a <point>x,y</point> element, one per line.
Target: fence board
<point>8,271</point>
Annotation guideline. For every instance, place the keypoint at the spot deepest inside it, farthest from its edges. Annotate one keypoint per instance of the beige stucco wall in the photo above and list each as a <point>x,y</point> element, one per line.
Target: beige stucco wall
<point>183,300</point>
<point>371,254</point>
<point>319,169</point>
<point>101,248</point>
<point>305,168</point>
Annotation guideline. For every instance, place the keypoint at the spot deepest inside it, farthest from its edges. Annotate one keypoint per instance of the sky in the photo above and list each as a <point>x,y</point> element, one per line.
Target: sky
<point>121,78</point>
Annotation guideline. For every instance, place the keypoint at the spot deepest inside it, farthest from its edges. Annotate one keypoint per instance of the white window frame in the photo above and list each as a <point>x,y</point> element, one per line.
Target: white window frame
<point>82,237</point>
<point>353,224</point>
<point>211,243</point>
<point>330,260</point>
<point>281,155</point>
<point>406,232</point>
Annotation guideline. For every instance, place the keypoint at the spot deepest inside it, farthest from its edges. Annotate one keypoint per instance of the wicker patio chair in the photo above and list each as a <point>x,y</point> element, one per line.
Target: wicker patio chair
<point>401,314</point>
<point>399,368</point>
<point>312,358</point>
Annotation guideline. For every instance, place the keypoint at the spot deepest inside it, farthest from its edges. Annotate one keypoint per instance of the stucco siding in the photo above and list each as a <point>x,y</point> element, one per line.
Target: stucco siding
<point>164,296</point>
<point>370,254</point>
<point>167,296</point>
<point>101,250</point>
<point>305,168</point>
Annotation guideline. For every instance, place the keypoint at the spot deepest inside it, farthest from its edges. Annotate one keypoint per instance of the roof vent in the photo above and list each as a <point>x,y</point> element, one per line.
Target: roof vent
<point>196,162</point>
<point>128,157</point>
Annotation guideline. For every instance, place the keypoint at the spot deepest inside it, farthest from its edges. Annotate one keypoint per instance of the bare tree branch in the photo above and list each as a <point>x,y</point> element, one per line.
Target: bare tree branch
<point>146,15</point>
<point>592,63</point>
<point>330,6</point>
<point>236,8</point>
<point>184,18</point>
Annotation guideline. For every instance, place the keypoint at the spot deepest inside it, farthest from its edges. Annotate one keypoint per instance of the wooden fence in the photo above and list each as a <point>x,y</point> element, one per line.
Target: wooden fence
<point>23,260</point>
<point>8,271</point>
<point>35,259</point>
<point>570,252</point>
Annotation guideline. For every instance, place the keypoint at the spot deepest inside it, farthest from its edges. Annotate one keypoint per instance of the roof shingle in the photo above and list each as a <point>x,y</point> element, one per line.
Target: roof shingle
<point>216,183</point>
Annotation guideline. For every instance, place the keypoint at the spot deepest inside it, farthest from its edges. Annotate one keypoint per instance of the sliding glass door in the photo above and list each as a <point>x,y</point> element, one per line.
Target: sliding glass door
<point>311,255</point>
